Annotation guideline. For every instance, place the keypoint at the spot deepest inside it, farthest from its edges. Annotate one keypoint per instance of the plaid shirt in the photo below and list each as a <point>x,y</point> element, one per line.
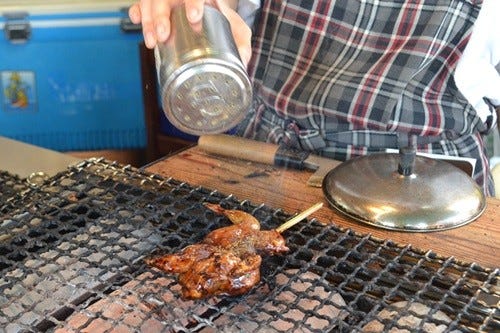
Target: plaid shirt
<point>344,78</point>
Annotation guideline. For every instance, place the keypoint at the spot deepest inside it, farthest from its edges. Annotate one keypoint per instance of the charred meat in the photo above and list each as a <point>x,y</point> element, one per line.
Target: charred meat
<point>227,261</point>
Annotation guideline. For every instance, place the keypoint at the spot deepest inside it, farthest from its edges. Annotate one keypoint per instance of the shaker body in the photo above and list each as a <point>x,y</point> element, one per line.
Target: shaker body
<point>204,85</point>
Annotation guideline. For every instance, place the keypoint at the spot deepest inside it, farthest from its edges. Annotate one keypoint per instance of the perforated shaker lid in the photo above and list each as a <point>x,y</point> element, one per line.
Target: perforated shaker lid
<point>208,97</point>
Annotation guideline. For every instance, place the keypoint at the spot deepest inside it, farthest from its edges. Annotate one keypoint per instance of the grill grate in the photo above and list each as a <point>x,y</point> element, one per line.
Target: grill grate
<point>11,186</point>
<point>72,250</point>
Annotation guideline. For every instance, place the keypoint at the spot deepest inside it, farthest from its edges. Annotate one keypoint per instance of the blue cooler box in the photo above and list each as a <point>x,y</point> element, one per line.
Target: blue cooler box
<point>70,75</point>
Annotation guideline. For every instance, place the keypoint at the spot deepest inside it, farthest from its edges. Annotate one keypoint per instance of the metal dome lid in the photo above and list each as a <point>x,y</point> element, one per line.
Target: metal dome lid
<point>428,195</point>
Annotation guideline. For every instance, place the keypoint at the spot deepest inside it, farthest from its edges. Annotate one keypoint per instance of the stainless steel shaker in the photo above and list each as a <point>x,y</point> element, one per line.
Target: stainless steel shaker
<point>204,85</point>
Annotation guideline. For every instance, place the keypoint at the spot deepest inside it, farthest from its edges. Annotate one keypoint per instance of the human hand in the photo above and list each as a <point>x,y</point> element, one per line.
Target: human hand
<point>154,15</point>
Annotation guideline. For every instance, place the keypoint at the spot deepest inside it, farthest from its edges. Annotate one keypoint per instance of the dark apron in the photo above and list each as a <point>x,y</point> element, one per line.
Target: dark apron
<point>345,78</point>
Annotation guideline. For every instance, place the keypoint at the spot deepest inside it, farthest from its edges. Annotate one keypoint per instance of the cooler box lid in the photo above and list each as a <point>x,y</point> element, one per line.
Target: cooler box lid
<point>62,6</point>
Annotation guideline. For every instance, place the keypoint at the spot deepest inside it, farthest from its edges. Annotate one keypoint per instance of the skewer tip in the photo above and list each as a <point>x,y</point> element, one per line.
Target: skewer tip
<point>299,217</point>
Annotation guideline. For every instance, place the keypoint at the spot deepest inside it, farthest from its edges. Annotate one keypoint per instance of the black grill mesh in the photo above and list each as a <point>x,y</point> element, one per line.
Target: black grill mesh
<point>11,187</point>
<point>72,250</point>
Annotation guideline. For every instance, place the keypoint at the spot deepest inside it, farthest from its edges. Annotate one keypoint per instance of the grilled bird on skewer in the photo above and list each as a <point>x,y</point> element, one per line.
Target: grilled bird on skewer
<point>227,261</point>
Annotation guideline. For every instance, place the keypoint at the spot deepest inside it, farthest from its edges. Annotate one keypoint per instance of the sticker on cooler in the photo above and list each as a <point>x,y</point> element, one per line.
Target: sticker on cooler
<point>19,91</point>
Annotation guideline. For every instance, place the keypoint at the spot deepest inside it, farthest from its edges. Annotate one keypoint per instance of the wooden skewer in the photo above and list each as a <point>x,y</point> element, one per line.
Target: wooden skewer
<point>299,217</point>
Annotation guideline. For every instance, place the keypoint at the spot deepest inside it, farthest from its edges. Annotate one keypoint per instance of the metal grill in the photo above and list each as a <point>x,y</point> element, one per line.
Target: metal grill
<point>10,187</point>
<point>71,260</point>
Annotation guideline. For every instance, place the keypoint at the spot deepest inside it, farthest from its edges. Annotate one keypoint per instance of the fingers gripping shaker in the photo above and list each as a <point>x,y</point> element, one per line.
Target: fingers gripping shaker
<point>204,86</point>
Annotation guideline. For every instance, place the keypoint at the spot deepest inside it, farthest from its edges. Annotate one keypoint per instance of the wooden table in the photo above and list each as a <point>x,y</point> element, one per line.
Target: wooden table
<point>477,242</point>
